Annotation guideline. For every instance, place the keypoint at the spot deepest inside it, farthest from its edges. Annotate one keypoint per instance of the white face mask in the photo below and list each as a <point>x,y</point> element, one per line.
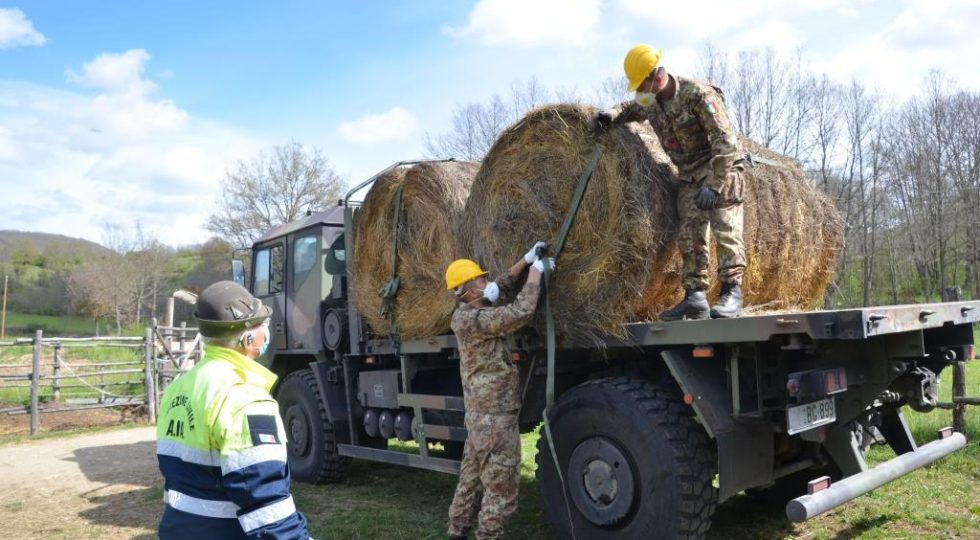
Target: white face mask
<point>491,292</point>
<point>645,99</point>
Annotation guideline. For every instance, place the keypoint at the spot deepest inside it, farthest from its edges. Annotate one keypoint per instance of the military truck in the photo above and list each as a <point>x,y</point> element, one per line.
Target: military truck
<point>649,432</point>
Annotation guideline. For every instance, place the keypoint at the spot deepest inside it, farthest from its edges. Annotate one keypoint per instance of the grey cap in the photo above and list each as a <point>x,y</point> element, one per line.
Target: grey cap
<point>226,308</point>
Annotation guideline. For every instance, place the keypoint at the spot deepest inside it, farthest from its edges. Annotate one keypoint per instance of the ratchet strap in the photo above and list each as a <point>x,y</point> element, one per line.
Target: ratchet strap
<point>566,226</point>
<point>390,289</point>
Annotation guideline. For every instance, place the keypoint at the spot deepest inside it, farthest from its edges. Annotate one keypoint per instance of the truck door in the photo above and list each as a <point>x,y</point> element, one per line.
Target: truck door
<point>303,291</point>
<point>268,285</point>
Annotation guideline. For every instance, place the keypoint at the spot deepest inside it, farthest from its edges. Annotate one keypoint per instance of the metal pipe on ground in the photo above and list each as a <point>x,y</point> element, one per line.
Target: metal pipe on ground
<point>806,507</point>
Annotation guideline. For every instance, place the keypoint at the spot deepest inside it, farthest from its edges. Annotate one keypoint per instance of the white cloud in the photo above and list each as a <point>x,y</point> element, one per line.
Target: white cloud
<point>526,23</point>
<point>935,23</point>
<point>701,20</point>
<point>780,35</point>
<point>71,162</point>
<point>17,31</point>
<point>398,124</point>
<point>115,72</point>
<point>124,106</point>
<point>922,36</point>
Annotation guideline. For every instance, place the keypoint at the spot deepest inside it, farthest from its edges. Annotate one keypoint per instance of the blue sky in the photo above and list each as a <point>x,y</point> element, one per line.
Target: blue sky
<point>125,111</point>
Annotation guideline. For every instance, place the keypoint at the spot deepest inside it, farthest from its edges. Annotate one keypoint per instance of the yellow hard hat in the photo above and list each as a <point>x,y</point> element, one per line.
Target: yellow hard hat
<point>462,270</point>
<point>639,63</point>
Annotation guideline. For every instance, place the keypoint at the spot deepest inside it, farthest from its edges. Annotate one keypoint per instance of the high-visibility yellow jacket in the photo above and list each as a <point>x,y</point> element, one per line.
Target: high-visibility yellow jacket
<point>221,448</point>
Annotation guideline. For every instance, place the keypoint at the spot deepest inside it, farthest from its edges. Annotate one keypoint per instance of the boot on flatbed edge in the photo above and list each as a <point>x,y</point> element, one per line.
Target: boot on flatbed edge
<point>694,306</point>
<point>729,302</point>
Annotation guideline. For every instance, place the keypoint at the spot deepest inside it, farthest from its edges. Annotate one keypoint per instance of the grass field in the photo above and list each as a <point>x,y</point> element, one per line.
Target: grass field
<point>941,501</point>
<point>21,325</point>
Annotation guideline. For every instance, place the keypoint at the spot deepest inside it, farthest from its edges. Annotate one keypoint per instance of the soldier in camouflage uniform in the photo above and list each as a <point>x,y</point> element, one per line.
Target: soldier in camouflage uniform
<point>691,120</point>
<point>489,472</point>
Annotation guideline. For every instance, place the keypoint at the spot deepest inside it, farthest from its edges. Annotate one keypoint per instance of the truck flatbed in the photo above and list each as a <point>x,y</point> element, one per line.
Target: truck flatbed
<point>837,324</point>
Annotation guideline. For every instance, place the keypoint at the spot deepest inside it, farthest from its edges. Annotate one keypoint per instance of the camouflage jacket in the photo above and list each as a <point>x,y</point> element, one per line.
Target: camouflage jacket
<point>490,381</point>
<point>693,128</point>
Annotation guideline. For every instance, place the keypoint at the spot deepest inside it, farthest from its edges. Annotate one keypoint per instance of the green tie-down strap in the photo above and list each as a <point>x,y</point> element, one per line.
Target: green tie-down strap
<point>566,226</point>
<point>390,289</point>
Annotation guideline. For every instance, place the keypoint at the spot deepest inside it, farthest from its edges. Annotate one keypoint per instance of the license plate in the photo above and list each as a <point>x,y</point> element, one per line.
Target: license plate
<point>810,415</point>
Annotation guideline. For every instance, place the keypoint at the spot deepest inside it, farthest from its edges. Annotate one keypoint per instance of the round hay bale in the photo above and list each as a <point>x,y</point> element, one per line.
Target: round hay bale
<point>433,195</point>
<point>524,188</point>
<point>793,235</point>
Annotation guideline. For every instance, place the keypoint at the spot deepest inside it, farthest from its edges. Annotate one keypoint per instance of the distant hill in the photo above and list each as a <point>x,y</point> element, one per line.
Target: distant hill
<point>44,243</point>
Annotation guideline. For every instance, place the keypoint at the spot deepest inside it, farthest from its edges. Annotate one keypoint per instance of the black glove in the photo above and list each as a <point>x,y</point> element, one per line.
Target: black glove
<point>601,121</point>
<point>706,198</point>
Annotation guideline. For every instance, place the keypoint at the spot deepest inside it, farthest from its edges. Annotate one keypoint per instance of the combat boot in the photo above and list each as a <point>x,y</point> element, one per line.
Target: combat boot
<point>694,306</point>
<point>729,302</point>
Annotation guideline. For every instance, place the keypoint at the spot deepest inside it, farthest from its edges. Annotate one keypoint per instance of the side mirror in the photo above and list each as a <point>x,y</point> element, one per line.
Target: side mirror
<point>238,272</point>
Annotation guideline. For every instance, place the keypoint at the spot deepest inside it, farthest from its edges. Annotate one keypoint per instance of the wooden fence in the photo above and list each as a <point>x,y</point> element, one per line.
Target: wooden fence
<point>179,349</point>
<point>111,381</point>
<point>959,400</point>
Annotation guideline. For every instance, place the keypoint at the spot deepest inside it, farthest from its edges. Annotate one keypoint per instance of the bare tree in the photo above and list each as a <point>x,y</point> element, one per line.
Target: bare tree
<point>271,189</point>
<point>104,285</point>
<point>475,126</point>
<point>964,164</point>
<point>611,91</point>
<point>713,66</point>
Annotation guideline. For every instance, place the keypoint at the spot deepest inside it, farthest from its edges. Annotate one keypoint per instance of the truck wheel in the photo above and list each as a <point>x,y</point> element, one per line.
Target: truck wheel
<point>311,446</point>
<point>634,461</point>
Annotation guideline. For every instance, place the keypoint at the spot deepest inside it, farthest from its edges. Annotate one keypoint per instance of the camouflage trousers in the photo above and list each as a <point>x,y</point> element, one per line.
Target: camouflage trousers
<point>488,476</point>
<point>724,222</point>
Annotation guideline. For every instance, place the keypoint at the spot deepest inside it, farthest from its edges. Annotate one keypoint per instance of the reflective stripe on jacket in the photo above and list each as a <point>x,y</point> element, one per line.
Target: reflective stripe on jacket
<point>221,448</point>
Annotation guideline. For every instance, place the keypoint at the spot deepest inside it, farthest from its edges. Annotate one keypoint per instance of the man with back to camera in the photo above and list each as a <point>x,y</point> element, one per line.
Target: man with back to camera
<point>221,445</point>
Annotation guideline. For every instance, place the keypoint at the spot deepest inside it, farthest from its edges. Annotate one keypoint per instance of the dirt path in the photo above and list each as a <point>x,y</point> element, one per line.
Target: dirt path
<point>104,485</point>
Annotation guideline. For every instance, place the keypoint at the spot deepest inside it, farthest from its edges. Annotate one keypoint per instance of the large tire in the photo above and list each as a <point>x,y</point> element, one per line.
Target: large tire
<point>635,464</point>
<point>311,446</point>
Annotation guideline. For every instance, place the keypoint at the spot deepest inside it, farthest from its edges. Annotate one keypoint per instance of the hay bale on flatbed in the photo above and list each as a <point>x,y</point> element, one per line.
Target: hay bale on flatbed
<point>433,195</point>
<point>524,188</point>
<point>620,263</point>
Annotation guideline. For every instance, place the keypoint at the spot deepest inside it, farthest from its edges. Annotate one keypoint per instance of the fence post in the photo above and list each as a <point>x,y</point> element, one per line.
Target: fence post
<point>168,321</point>
<point>56,374</point>
<point>183,334</point>
<point>148,379</point>
<point>959,391</point>
<point>35,380</point>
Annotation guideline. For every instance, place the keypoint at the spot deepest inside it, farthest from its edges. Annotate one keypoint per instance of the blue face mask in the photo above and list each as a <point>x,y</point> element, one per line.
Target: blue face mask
<point>268,338</point>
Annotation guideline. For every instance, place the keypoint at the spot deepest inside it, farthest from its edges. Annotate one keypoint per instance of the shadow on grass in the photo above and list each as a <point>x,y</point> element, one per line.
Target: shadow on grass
<point>131,464</point>
<point>749,518</point>
<point>861,526</point>
<point>385,501</point>
<point>136,509</point>
<point>114,464</point>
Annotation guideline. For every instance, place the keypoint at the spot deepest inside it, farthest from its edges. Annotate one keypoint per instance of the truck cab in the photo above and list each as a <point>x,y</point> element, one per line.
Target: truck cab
<point>299,270</point>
